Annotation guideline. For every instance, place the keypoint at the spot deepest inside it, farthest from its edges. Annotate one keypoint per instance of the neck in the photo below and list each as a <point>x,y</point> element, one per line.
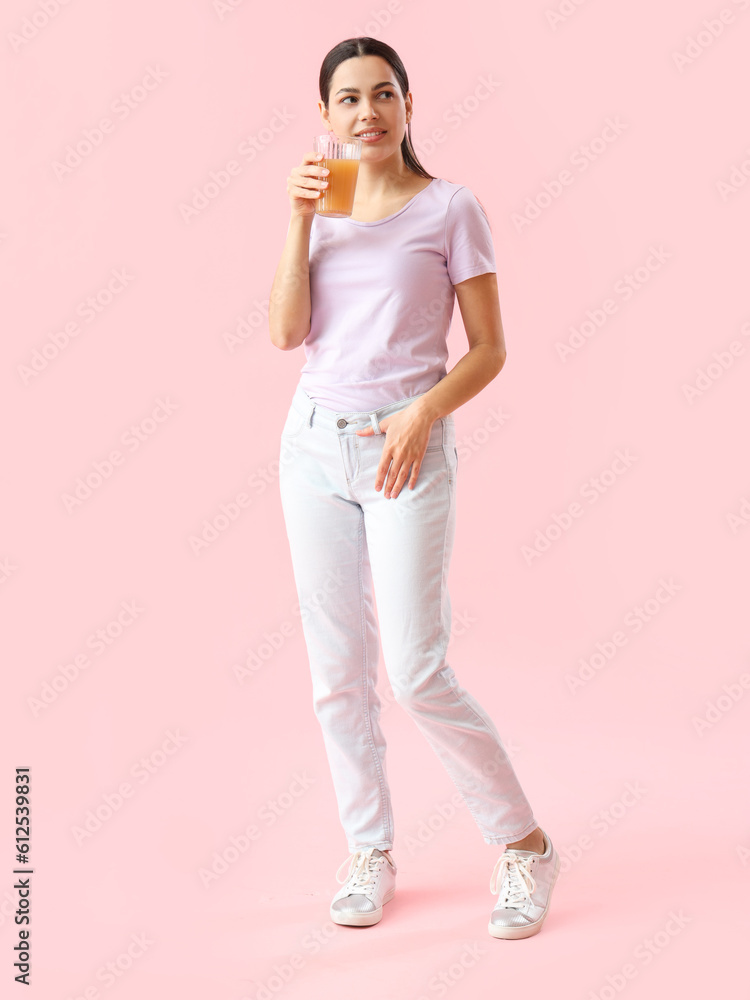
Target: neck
<point>376,181</point>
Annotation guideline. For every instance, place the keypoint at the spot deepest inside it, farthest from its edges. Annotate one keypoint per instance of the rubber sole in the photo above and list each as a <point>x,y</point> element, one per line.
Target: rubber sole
<point>362,919</point>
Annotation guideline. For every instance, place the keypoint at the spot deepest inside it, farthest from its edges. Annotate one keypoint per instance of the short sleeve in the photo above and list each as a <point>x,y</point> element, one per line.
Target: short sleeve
<point>469,249</point>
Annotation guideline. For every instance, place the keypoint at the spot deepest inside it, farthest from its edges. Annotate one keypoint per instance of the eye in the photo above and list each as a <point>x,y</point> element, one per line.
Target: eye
<point>388,93</point>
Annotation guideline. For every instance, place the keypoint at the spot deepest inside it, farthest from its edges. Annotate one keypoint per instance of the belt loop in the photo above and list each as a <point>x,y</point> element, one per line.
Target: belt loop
<point>310,415</point>
<point>375,424</point>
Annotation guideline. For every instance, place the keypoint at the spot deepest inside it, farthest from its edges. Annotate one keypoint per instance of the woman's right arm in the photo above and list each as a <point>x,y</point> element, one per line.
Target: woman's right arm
<point>289,310</point>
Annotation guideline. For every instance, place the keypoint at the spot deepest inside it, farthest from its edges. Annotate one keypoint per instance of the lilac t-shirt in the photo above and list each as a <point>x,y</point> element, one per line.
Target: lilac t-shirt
<point>382,297</point>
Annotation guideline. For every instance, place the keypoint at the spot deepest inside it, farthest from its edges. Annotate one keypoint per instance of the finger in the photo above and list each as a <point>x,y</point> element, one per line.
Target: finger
<point>310,187</point>
<point>398,481</point>
<point>313,178</point>
<point>382,472</point>
<point>416,466</point>
<point>300,192</point>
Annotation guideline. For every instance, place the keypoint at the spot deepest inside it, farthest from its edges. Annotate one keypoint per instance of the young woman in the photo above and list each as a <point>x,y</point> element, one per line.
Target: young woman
<point>368,467</point>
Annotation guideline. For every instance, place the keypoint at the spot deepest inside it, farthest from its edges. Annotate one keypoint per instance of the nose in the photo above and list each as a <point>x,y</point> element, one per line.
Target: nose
<point>366,118</point>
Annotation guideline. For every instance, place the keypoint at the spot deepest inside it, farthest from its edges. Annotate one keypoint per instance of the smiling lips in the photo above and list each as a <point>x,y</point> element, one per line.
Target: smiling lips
<point>370,136</point>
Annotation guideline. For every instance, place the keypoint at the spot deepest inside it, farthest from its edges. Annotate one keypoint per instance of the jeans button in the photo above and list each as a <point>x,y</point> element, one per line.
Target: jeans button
<point>341,422</point>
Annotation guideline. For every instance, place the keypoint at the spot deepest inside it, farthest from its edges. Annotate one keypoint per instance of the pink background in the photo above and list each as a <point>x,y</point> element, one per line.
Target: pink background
<point>199,702</point>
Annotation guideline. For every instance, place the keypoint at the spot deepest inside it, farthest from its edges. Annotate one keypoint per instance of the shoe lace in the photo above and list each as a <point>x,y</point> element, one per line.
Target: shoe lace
<point>362,867</point>
<point>516,881</point>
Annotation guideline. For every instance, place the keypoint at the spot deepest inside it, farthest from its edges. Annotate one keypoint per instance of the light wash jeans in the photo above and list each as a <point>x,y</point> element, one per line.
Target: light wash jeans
<point>351,546</point>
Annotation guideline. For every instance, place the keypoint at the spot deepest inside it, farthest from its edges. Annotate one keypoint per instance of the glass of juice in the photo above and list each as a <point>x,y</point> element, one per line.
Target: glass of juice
<point>341,155</point>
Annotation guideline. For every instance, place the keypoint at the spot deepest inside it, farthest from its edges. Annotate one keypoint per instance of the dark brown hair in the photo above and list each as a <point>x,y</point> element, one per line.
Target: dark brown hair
<point>365,46</point>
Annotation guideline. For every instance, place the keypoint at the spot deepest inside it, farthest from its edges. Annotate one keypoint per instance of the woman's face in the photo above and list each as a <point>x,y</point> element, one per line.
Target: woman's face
<point>378,104</point>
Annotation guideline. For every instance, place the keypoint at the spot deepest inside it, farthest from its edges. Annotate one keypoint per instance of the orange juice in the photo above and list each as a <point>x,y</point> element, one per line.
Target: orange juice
<point>337,200</point>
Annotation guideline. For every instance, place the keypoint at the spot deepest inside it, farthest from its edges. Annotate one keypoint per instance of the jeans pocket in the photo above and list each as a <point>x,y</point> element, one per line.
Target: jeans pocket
<point>436,435</point>
<point>293,426</point>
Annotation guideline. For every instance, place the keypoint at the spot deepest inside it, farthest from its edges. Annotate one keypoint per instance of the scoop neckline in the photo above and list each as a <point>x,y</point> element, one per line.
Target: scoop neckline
<point>379,222</point>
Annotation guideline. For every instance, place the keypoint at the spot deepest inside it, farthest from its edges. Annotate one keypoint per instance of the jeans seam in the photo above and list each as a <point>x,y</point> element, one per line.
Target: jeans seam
<point>457,690</point>
<point>443,585</point>
<point>365,685</point>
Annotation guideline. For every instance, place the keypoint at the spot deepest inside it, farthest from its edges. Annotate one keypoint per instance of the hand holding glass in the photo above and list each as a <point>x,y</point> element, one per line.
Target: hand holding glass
<point>341,155</point>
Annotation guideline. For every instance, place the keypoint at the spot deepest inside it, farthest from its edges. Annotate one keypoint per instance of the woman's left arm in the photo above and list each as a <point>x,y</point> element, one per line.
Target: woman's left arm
<point>405,446</point>
<point>480,311</point>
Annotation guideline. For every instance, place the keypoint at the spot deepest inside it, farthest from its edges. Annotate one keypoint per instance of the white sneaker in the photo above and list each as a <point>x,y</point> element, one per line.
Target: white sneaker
<point>526,881</point>
<point>370,884</point>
